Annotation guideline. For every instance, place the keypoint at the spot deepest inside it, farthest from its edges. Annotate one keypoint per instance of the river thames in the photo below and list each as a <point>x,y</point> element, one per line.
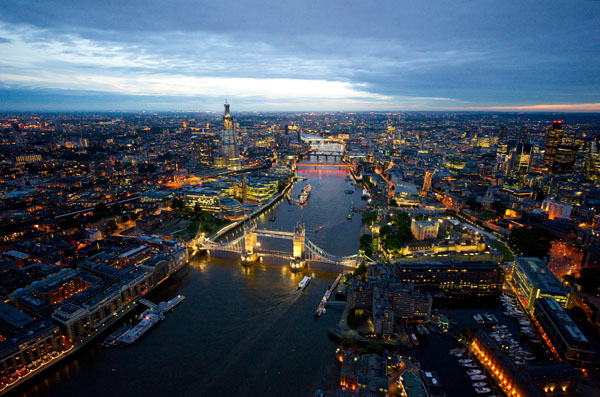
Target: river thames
<point>239,331</point>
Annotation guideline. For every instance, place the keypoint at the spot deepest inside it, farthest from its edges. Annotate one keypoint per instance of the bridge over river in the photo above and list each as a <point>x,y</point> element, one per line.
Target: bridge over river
<point>302,249</point>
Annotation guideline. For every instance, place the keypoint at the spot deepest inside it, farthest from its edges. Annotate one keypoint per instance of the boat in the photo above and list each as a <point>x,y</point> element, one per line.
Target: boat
<point>304,195</point>
<point>457,352</point>
<point>480,384</point>
<point>472,372</point>
<point>478,319</point>
<point>350,215</point>
<point>148,319</point>
<point>302,284</point>
<point>348,191</point>
<point>482,390</point>
<point>112,338</point>
<point>414,339</point>
<point>166,306</point>
<point>272,219</point>
<point>319,228</point>
<point>465,361</point>
<point>478,377</point>
<point>422,330</point>
<point>468,365</point>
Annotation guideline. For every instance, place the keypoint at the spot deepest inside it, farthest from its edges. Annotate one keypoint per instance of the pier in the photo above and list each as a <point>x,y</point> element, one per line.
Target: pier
<point>332,287</point>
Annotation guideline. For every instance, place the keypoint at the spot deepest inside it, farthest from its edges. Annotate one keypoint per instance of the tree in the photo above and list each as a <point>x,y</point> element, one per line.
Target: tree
<point>590,280</point>
<point>368,218</point>
<point>473,204</point>
<point>533,241</point>
<point>499,208</point>
<point>177,203</point>
<point>366,244</point>
<point>361,270</point>
<point>111,226</point>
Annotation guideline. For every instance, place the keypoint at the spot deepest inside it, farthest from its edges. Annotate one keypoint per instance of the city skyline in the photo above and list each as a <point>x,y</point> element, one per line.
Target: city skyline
<point>275,56</point>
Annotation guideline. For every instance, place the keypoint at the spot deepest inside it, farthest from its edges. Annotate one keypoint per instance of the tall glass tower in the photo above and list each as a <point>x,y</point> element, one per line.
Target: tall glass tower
<point>230,149</point>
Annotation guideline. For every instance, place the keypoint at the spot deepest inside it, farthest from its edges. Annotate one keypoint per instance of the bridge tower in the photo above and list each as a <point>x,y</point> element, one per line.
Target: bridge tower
<point>299,239</point>
<point>249,236</point>
<point>298,259</point>
<point>248,256</point>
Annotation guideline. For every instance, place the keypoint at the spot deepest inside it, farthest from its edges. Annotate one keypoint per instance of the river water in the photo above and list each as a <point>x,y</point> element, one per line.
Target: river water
<point>239,331</point>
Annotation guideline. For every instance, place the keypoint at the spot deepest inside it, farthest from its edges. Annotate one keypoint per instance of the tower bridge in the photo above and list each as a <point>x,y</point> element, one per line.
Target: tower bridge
<point>303,250</point>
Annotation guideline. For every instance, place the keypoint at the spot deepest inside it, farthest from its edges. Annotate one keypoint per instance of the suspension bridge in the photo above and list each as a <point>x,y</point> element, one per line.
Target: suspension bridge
<point>303,250</point>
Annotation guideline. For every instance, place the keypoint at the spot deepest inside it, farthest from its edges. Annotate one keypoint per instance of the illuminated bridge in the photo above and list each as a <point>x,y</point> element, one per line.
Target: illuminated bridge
<point>323,165</point>
<point>303,248</point>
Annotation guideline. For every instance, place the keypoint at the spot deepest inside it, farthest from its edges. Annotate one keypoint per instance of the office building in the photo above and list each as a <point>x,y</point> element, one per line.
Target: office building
<point>453,277</point>
<point>556,210</point>
<point>532,280</point>
<point>554,137</point>
<point>562,333</point>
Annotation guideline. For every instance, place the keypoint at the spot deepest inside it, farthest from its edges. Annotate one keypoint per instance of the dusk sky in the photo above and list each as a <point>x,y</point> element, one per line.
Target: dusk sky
<point>300,55</point>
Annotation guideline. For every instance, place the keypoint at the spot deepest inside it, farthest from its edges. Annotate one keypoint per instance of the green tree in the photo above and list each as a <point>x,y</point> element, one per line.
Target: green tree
<point>531,241</point>
<point>366,244</point>
<point>368,218</point>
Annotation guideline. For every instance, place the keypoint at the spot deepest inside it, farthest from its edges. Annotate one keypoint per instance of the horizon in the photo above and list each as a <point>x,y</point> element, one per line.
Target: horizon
<point>333,56</point>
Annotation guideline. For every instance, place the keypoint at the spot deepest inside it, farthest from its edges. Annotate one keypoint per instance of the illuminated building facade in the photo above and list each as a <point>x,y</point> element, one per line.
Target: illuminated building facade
<point>553,140</point>
<point>503,370</point>
<point>556,210</point>
<point>592,161</point>
<point>465,278</point>
<point>423,230</point>
<point>562,333</point>
<point>532,279</point>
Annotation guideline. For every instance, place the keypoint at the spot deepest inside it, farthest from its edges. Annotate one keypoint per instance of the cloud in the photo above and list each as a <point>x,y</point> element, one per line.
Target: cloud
<point>282,54</point>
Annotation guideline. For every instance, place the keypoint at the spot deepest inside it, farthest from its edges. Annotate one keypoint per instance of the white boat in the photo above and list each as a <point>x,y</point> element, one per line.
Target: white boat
<point>414,339</point>
<point>472,372</point>
<point>468,365</point>
<point>148,319</point>
<point>304,195</point>
<point>478,319</point>
<point>478,377</point>
<point>482,390</point>
<point>480,384</point>
<point>465,361</point>
<point>302,284</point>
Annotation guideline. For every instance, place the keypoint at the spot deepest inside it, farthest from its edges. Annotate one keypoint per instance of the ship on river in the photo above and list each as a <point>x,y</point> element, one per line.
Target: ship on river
<point>304,195</point>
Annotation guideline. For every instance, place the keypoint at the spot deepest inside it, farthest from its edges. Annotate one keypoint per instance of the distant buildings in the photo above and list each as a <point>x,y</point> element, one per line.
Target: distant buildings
<point>556,210</point>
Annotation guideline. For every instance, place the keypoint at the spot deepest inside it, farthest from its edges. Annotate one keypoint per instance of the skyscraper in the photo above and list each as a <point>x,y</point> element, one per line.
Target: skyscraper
<point>521,160</point>
<point>553,140</point>
<point>230,148</point>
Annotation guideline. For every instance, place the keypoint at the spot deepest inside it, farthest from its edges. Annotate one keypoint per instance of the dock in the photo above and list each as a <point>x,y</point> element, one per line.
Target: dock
<point>149,304</point>
<point>321,308</point>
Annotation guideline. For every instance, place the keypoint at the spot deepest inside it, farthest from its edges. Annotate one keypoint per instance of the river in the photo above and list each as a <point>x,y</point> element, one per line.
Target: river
<point>239,331</point>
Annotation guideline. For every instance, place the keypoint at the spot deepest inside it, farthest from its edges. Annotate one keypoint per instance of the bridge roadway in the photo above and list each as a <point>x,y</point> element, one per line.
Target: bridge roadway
<point>274,233</point>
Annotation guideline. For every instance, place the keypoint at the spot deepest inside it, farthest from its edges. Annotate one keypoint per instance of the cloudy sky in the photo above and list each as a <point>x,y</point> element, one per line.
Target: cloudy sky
<point>300,55</point>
